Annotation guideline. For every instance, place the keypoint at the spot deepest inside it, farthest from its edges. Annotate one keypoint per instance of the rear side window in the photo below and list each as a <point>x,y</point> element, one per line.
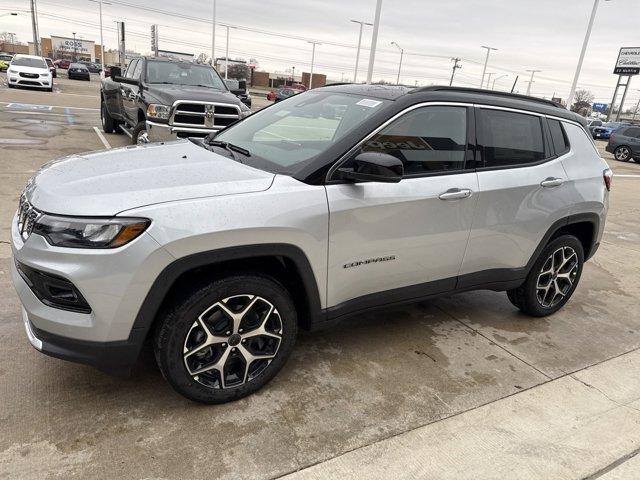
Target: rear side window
<point>559,137</point>
<point>510,139</point>
<point>632,132</point>
<point>427,140</point>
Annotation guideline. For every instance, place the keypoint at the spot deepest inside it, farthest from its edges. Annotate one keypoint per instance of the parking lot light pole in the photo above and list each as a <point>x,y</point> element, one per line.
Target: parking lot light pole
<point>100,3</point>
<point>362,24</point>
<point>489,75</point>
<point>582,52</point>
<point>226,55</point>
<point>75,59</point>
<point>213,36</point>
<point>313,57</point>
<point>533,72</point>
<point>493,86</point>
<point>486,62</point>
<point>374,40</point>
<point>400,65</point>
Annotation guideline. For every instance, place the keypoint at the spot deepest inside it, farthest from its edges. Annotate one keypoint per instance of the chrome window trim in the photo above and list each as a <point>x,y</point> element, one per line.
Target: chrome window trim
<point>345,156</point>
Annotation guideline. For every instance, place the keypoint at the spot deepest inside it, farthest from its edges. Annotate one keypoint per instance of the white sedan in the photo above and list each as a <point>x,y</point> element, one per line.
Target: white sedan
<point>29,71</point>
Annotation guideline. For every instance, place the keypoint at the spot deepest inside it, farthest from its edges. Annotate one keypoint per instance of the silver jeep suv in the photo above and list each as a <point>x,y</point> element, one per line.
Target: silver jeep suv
<point>328,204</point>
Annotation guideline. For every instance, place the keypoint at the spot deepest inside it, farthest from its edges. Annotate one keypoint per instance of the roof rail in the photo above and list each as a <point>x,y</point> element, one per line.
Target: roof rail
<point>436,88</point>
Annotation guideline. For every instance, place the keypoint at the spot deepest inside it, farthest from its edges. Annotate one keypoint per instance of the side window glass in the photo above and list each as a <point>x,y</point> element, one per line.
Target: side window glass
<point>559,137</point>
<point>510,139</point>
<point>632,132</point>
<point>130,68</point>
<point>426,140</point>
<point>138,70</point>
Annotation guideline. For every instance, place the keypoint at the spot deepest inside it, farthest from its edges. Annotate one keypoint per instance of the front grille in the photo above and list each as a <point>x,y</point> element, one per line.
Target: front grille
<point>29,82</point>
<point>27,216</point>
<point>204,115</point>
<point>29,75</point>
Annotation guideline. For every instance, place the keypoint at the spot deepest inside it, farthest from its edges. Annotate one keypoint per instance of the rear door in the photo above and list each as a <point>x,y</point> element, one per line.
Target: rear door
<point>523,190</point>
<point>389,242</point>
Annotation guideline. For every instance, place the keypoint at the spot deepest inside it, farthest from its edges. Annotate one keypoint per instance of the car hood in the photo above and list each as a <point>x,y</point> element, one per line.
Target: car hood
<point>168,94</point>
<point>111,181</point>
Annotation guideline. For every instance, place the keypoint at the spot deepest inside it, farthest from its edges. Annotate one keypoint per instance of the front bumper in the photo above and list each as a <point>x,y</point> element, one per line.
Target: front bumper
<point>114,282</point>
<point>111,357</point>
<point>162,132</point>
<point>29,82</point>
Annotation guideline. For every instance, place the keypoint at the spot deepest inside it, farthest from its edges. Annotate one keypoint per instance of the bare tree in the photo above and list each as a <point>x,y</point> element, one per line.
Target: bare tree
<point>582,101</point>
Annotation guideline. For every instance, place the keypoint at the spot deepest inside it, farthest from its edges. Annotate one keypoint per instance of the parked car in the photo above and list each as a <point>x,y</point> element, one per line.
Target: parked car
<point>218,249</point>
<point>282,93</point>
<point>606,129</point>
<point>92,66</point>
<point>62,63</point>
<point>240,90</point>
<point>160,99</point>
<point>593,123</point>
<point>624,143</point>
<point>5,60</point>
<point>52,67</point>
<point>78,71</point>
<point>29,71</point>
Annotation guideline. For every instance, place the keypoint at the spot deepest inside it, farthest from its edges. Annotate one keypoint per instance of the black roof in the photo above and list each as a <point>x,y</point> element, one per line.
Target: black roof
<point>458,94</point>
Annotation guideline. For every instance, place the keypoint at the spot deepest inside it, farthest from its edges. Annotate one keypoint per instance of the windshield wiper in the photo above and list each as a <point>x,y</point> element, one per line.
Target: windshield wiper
<point>229,147</point>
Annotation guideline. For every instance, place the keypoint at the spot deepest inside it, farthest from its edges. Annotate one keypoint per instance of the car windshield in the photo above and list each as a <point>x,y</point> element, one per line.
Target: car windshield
<point>29,62</point>
<point>288,134</point>
<point>183,73</point>
<point>79,66</point>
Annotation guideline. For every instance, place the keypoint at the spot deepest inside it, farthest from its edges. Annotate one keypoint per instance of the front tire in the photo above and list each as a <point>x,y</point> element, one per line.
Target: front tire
<point>552,279</point>
<point>139,136</point>
<point>227,339</point>
<point>622,153</point>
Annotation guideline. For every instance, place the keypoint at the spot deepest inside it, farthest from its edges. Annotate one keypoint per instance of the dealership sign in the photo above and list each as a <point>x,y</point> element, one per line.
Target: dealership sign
<point>628,61</point>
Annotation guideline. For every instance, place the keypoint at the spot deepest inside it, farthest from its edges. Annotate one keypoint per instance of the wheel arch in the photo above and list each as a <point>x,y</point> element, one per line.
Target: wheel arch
<point>583,226</point>
<point>286,263</point>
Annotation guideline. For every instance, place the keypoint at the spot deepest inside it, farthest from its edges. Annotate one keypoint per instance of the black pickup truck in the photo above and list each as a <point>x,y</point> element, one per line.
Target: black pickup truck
<point>158,99</point>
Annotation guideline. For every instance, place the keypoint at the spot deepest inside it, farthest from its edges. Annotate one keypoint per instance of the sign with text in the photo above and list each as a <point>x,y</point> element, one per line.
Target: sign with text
<point>628,62</point>
<point>64,47</point>
<point>600,107</point>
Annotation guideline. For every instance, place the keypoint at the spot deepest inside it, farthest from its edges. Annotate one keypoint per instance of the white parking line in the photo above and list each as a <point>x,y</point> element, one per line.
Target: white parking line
<point>102,139</point>
<point>625,176</point>
<point>36,106</point>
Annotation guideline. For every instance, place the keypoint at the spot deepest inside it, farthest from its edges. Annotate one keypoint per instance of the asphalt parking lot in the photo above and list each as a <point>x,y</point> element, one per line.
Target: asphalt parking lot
<point>459,387</point>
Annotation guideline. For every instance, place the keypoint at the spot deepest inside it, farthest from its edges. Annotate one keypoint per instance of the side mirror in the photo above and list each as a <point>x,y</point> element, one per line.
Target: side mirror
<point>115,72</point>
<point>373,167</point>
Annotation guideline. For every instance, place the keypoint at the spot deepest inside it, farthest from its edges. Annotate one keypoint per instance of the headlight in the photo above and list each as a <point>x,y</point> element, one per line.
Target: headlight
<point>156,110</point>
<point>11,71</point>
<point>89,232</point>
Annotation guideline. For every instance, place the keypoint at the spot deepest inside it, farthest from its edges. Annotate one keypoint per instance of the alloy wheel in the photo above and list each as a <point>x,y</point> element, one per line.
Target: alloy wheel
<point>557,276</point>
<point>622,154</point>
<point>143,137</point>
<point>233,341</point>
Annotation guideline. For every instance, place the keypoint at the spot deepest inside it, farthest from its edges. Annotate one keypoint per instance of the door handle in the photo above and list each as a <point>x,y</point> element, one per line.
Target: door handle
<point>552,182</point>
<point>455,194</point>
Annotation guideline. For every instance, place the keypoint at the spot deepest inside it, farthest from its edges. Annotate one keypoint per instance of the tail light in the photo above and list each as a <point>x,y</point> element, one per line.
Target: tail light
<point>612,136</point>
<point>607,176</point>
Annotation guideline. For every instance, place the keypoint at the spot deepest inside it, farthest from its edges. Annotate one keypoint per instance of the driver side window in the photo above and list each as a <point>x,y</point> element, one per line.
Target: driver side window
<point>131,68</point>
<point>427,140</point>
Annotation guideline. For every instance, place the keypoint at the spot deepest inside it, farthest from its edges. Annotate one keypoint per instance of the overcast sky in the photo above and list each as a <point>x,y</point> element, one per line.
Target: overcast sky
<point>529,34</point>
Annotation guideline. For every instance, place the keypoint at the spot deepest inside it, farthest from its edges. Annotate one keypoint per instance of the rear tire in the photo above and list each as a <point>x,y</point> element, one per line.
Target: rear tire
<point>230,359</point>
<point>622,153</point>
<point>552,279</point>
<point>108,123</point>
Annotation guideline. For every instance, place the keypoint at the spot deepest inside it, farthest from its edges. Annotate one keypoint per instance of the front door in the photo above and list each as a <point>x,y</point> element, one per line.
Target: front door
<point>389,242</point>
